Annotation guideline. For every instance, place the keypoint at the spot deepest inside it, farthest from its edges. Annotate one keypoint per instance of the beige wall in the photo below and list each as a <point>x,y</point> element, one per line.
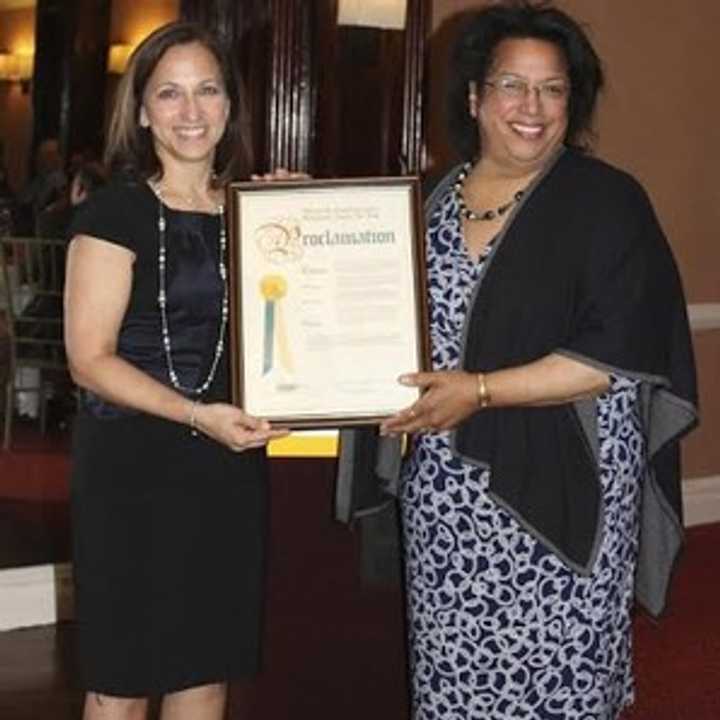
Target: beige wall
<point>17,34</point>
<point>658,118</point>
<point>701,452</point>
<point>131,21</point>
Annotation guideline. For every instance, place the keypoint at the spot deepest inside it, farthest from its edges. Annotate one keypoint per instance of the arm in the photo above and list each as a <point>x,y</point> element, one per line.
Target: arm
<point>97,292</point>
<point>449,397</point>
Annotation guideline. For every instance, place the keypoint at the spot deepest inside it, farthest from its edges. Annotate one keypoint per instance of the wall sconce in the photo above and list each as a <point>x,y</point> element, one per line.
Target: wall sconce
<point>385,14</point>
<point>17,67</point>
<point>118,56</point>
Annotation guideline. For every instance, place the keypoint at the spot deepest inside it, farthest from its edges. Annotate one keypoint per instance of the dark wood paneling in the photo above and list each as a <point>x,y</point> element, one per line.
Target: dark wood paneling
<point>50,84</point>
<point>88,77</point>
<point>71,40</point>
<point>418,29</point>
<point>370,110</point>
<point>289,141</point>
<point>329,100</point>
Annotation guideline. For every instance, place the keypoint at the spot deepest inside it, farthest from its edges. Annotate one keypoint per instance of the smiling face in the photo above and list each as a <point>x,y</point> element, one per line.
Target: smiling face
<point>185,105</point>
<point>523,123</point>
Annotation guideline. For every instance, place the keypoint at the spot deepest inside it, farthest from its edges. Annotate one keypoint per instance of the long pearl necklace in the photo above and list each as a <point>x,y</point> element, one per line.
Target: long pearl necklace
<point>469,214</point>
<point>162,300</point>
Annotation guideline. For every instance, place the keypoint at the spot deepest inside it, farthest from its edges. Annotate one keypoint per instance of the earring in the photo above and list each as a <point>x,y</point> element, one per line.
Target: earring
<point>472,102</point>
<point>472,99</point>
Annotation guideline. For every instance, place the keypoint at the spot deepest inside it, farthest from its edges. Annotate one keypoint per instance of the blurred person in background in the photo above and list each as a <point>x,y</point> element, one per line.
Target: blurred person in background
<point>45,187</point>
<point>54,220</point>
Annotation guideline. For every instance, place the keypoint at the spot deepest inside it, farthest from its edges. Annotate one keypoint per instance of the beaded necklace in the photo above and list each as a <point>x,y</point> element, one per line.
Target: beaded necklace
<point>469,214</point>
<point>162,300</point>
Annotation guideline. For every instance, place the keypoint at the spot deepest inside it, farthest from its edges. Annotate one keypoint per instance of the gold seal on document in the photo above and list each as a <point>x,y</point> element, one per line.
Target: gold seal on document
<point>273,287</point>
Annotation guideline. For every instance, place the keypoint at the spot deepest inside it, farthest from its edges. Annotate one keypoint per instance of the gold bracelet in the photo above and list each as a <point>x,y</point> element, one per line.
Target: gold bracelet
<point>483,394</point>
<point>193,418</point>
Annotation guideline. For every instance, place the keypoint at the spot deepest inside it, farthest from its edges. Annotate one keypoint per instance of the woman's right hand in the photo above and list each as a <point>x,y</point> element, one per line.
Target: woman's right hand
<point>279,174</point>
<point>229,425</point>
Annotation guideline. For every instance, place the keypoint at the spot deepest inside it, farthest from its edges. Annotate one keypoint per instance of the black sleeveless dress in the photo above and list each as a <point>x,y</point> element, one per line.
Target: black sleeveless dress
<point>169,528</point>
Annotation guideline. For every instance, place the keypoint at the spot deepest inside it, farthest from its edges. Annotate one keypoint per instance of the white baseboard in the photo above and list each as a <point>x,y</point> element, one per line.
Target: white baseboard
<point>701,500</point>
<point>42,594</point>
<point>35,595</point>
<point>704,316</point>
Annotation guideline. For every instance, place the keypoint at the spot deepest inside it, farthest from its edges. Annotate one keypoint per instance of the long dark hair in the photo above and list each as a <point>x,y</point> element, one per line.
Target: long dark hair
<point>474,54</point>
<point>130,148</point>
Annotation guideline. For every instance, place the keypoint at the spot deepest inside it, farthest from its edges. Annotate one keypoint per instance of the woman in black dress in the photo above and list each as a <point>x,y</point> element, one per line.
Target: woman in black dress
<point>169,499</point>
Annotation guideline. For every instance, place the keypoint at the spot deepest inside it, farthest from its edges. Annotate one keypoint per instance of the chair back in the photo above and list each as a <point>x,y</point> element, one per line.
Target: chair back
<point>32,274</point>
<point>31,291</point>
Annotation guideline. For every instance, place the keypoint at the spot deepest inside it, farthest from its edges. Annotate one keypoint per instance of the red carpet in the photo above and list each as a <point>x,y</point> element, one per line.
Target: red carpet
<point>36,468</point>
<point>677,661</point>
<point>335,649</point>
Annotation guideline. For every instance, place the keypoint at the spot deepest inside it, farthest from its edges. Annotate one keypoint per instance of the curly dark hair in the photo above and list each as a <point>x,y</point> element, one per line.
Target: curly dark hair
<point>474,52</point>
<point>130,147</point>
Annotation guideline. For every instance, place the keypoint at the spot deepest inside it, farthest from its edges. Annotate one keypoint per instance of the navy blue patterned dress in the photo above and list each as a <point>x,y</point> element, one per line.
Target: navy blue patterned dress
<point>499,627</point>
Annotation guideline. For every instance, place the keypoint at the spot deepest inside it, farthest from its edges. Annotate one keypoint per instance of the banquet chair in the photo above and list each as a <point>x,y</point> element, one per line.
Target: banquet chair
<point>31,286</point>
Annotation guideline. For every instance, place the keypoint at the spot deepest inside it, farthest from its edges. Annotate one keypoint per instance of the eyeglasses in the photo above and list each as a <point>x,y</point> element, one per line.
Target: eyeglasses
<point>515,88</point>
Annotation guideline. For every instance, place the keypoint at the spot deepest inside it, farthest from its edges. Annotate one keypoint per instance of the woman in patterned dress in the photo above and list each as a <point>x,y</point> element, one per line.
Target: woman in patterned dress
<point>534,437</point>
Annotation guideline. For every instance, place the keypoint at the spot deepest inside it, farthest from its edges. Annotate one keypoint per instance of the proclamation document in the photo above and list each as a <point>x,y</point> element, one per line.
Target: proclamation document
<point>328,299</point>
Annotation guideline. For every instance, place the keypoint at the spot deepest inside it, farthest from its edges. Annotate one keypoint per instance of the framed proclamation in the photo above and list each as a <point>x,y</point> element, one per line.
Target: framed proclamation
<point>328,303</point>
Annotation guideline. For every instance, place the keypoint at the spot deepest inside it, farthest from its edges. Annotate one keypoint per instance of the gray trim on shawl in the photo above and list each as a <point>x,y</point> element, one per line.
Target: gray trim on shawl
<point>351,485</point>
<point>664,418</point>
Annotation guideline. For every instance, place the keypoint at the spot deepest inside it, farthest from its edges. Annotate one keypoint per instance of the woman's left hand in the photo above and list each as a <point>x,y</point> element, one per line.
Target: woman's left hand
<point>448,397</point>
